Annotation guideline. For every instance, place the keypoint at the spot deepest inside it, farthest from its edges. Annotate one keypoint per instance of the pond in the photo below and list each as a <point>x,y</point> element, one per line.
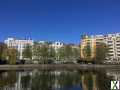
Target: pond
<point>57,79</point>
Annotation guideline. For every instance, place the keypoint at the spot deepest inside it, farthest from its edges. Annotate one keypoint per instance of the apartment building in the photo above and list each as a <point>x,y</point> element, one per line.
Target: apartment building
<point>88,40</point>
<point>18,44</point>
<point>112,40</point>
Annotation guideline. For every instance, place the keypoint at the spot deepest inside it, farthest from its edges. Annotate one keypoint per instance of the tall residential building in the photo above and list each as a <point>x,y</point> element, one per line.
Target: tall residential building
<point>85,41</point>
<point>111,40</point>
<point>18,44</point>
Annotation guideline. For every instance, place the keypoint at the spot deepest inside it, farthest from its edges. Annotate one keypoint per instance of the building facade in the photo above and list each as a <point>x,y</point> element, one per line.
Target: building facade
<point>111,40</point>
<point>55,45</point>
<point>18,44</point>
<point>87,40</point>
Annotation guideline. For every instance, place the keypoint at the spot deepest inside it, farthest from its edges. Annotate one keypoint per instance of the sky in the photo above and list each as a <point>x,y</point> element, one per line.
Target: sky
<point>58,20</point>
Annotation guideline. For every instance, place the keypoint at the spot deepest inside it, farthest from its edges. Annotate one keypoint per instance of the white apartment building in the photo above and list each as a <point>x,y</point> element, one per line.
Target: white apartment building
<point>18,44</point>
<point>57,45</point>
<point>113,42</point>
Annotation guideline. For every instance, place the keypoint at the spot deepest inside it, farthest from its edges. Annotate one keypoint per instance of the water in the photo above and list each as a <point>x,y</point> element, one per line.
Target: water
<point>57,79</point>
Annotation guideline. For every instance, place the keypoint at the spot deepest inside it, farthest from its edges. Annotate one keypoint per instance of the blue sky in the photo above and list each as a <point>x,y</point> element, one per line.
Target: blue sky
<point>63,20</point>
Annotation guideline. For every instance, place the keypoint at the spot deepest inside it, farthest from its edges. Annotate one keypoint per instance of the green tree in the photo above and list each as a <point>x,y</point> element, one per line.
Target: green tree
<point>44,53</point>
<point>76,53</point>
<point>60,53</point>
<point>36,51</point>
<point>12,55</point>
<point>101,52</point>
<point>27,52</point>
<point>68,51</point>
<point>87,52</point>
<point>52,53</point>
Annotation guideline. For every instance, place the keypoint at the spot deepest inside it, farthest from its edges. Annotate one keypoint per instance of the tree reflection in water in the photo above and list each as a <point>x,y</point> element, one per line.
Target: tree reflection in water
<point>55,80</point>
<point>65,80</point>
<point>42,81</point>
<point>25,81</point>
<point>7,79</point>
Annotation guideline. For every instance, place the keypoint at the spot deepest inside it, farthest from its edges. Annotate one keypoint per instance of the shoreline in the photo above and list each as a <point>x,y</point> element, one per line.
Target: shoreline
<point>58,66</point>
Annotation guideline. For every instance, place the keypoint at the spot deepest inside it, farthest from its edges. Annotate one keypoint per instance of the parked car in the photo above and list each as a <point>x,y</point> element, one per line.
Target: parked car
<point>3,62</point>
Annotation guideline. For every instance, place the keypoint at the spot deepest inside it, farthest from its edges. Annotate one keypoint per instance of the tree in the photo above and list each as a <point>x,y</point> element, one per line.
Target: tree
<point>101,52</point>
<point>52,52</point>
<point>27,52</point>
<point>12,55</point>
<point>60,53</point>
<point>44,53</point>
<point>3,51</point>
<point>68,51</point>
<point>87,52</point>
<point>76,53</point>
<point>36,51</point>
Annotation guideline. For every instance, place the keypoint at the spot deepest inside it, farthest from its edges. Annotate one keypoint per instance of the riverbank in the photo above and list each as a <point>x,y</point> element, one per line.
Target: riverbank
<point>57,66</point>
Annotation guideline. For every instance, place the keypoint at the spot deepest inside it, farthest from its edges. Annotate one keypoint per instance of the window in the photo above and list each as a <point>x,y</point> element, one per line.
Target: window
<point>118,44</point>
<point>110,41</point>
<point>110,55</point>
<point>110,51</point>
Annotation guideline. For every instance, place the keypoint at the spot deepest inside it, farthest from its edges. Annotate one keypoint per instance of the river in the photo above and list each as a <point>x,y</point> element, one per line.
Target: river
<point>97,79</point>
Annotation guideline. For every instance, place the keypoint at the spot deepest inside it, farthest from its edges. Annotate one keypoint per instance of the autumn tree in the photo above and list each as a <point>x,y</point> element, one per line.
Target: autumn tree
<point>12,55</point>
<point>3,51</point>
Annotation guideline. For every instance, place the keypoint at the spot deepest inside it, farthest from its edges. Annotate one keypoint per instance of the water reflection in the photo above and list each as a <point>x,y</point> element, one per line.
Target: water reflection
<point>7,79</point>
<point>58,80</point>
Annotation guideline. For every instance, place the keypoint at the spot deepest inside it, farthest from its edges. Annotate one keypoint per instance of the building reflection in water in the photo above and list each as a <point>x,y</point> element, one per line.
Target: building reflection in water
<point>57,80</point>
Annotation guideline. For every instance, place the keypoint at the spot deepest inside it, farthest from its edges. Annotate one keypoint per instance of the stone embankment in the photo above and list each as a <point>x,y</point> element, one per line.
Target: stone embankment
<point>58,66</point>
